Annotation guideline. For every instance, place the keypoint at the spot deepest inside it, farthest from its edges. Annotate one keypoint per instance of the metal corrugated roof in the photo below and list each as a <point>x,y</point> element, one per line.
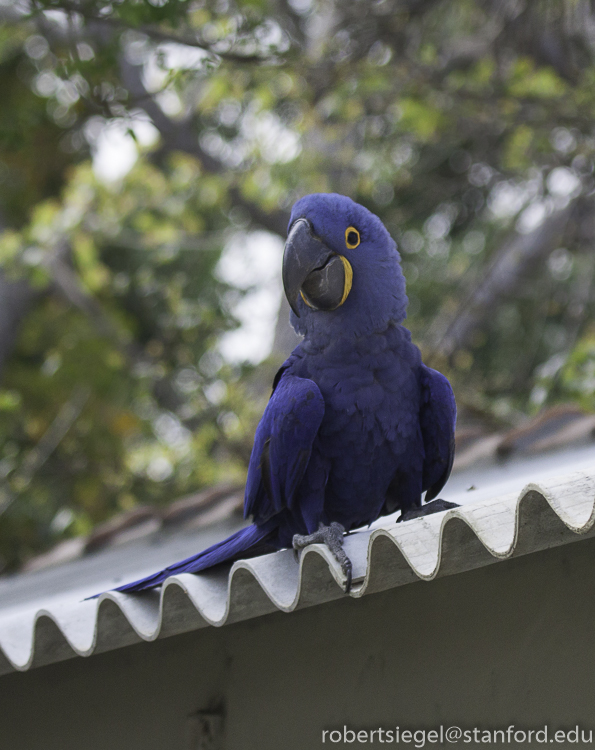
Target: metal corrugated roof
<point>546,514</point>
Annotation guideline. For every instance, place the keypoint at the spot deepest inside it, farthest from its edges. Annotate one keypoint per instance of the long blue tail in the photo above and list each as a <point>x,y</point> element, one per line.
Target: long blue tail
<point>247,542</point>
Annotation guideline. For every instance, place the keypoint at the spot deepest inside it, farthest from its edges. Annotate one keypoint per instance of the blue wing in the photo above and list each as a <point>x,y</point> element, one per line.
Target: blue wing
<point>282,446</point>
<point>438,416</point>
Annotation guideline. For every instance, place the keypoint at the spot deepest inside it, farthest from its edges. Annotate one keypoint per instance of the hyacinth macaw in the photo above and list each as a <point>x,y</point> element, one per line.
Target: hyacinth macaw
<point>357,426</point>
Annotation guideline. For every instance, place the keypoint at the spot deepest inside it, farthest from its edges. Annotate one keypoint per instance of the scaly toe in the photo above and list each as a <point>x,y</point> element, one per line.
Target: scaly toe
<point>332,537</point>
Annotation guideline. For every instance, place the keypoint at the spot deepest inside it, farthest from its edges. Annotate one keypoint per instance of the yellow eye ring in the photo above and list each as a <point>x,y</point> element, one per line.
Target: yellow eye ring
<point>352,237</point>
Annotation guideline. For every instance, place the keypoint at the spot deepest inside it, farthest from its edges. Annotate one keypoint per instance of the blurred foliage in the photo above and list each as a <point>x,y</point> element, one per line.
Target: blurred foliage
<point>465,125</point>
<point>156,419</point>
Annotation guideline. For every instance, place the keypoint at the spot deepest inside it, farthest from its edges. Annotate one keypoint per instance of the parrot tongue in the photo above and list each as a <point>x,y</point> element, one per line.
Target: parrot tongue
<point>313,271</point>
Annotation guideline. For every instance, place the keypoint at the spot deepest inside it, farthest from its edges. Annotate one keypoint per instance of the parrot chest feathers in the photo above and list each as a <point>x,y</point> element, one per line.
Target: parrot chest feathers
<point>370,427</point>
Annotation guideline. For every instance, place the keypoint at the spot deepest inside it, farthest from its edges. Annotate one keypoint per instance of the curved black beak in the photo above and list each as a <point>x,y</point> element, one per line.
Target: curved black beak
<point>311,269</point>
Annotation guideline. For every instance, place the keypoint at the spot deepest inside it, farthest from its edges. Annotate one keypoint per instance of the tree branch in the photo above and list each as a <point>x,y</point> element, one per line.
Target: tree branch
<point>67,283</point>
<point>16,299</point>
<point>48,443</point>
<point>181,136</point>
<point>507,272</point>
<point>154,32</point>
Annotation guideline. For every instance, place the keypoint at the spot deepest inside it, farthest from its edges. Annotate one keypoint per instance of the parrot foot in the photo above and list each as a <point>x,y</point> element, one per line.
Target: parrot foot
<point>435,506</point>
<point>332,537</point>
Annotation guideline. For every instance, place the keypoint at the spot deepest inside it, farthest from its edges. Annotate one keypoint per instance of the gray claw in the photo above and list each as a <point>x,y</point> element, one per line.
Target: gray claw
<point>332,537</point>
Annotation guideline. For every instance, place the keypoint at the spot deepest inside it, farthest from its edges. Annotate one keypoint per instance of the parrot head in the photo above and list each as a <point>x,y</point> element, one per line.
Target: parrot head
<point>341,268</point>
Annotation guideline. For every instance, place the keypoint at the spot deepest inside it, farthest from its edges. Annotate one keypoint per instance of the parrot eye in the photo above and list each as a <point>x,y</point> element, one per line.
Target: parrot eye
<point>352,238</point>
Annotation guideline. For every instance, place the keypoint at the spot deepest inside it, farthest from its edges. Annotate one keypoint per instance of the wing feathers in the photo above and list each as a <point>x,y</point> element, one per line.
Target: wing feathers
<point>437,419</point>
<point>282,446</point>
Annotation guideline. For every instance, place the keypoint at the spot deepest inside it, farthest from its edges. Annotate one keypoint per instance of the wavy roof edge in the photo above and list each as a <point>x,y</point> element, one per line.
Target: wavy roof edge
<point>543,515</point>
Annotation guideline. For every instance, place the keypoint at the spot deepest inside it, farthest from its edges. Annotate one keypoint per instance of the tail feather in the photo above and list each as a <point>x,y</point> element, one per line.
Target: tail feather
<point>247,542</point>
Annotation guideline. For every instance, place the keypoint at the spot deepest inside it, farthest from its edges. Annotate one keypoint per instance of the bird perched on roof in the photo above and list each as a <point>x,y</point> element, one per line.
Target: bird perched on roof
<point>357,426</point>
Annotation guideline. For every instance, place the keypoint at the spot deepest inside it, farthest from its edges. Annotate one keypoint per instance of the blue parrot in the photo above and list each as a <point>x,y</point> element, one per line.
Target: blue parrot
<point>357,426</point>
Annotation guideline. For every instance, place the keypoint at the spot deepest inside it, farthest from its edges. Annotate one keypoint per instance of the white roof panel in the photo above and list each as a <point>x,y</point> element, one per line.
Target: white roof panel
<point>43,618</point>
